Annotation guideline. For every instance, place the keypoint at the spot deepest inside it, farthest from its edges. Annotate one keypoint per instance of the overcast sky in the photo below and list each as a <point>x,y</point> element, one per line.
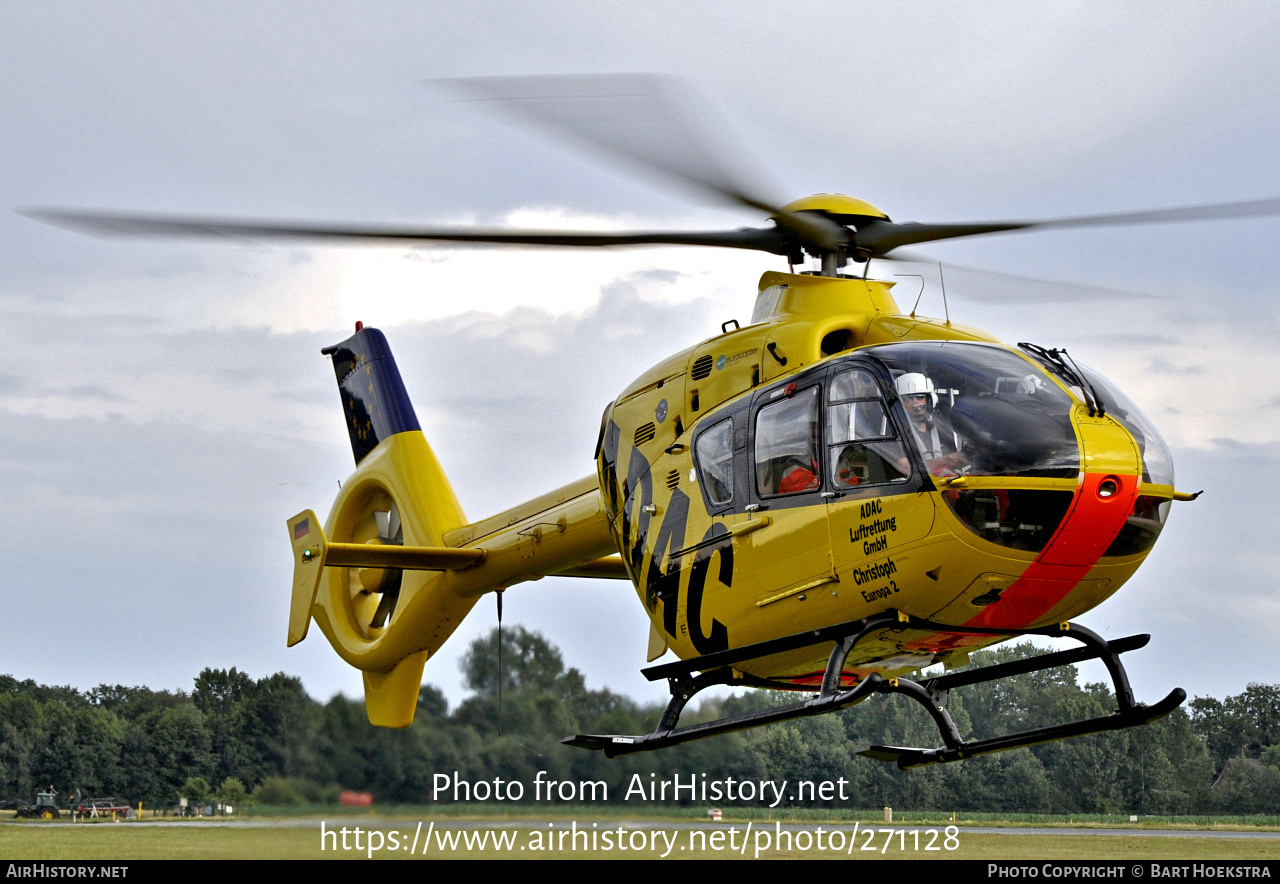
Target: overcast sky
<point>164,405</point>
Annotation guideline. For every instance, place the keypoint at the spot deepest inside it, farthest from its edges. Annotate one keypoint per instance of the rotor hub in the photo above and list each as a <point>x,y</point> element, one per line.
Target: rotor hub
<point>837,206</point>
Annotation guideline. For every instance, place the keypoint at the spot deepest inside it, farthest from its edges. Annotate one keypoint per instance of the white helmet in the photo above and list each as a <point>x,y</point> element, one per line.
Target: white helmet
<point>914,384</point>
<point>1030,385</point>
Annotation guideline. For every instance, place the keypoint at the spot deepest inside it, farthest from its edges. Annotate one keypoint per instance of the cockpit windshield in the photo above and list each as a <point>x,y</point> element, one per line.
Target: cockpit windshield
<point>982,410</point>
<point>1157,462</point>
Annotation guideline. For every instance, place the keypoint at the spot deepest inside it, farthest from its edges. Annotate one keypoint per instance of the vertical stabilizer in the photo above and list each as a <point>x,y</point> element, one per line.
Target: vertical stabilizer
<point>374,399</point>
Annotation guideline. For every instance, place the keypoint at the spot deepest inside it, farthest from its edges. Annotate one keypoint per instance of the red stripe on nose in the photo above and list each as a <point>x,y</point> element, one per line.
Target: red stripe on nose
<point>1083,536</point>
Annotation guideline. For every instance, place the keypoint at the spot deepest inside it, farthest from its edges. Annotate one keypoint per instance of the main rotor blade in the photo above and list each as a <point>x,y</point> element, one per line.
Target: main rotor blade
<point>994,287</point>
<point>878,237</point>
<point>650,121</point>
<point>105,224</point>
<point>1215,211</point>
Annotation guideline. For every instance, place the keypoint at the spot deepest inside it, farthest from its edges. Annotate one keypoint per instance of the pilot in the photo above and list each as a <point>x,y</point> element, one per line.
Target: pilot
<point>942,449</point>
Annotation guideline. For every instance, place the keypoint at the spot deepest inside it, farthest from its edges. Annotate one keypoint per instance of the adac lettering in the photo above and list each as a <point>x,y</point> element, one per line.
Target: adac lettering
<point>609,457</point>
<point>663,583</point>
<point>873,534</point>
<point>718,640</point>
<point>637,494</point>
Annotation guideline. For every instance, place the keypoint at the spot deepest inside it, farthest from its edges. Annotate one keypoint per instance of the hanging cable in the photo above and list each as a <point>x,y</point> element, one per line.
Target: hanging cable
<point>500,671</point>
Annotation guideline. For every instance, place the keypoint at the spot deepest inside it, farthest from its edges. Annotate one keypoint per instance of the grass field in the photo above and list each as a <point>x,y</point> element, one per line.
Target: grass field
<point>301,839</point>
<point>698,813</point>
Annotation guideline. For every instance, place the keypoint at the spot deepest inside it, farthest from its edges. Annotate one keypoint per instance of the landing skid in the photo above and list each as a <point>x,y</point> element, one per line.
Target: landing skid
<point>716,669</point>
<point>932,694</point>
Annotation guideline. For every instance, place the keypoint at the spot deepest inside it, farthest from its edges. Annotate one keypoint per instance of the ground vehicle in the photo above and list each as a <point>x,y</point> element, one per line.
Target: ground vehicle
<point>45,808</point>
<point>93,808</point>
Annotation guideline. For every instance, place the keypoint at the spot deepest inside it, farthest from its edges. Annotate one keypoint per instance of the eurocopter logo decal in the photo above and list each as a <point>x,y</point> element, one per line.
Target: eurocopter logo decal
<point>723,360</point>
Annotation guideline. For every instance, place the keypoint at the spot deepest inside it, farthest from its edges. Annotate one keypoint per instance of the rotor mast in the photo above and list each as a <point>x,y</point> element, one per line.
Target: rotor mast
<point>837,214</point>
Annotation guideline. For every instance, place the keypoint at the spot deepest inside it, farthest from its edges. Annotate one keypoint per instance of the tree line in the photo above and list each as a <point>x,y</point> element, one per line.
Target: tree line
<point>268,737</point>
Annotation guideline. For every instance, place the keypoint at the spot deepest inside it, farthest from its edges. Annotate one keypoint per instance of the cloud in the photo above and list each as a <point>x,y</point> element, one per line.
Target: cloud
<point>1160,365</point>
<point>91,391</point>
<point>186,482</point>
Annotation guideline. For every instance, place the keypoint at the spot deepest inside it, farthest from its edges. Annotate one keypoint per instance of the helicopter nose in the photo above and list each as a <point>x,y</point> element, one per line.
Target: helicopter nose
<point>1108,486</point>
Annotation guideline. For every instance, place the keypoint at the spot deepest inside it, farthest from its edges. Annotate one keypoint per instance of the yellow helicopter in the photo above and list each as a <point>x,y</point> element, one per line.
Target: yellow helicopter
<point>826,500</point>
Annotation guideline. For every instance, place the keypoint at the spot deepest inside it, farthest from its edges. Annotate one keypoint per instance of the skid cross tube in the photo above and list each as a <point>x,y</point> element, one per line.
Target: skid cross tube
<point>772,646</point>
<point>1095,647</point>
<point>932,694</point>
<point>684,685</point>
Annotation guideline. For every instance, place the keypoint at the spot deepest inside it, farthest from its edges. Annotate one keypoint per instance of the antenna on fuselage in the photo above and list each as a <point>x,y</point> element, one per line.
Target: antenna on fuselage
<point>942,282</point>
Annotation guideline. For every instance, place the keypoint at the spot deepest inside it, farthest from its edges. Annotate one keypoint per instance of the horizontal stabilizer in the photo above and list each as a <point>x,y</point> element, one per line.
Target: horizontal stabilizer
<point>312,553</point>
<point>408,558</point>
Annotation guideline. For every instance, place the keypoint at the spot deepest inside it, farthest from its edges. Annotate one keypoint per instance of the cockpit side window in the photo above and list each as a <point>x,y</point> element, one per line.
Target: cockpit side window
<point>862,445</point>
<point>786,445</point>
<point>714,452</point>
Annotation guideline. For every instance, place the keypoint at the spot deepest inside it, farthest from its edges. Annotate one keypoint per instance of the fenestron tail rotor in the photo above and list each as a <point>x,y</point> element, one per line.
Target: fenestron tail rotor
<point>390,532</point>
<point>374,591</point>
